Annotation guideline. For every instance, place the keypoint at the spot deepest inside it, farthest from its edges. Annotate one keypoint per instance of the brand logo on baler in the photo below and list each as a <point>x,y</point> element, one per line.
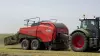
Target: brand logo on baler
<point>48,30</point>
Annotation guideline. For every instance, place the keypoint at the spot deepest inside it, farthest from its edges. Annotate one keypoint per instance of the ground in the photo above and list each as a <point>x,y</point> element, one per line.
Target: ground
<point>16,50</point>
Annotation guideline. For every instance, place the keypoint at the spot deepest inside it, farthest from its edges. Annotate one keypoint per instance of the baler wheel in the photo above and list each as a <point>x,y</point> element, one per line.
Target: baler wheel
<point>25,44</point>
<point>79,42</point>
<point>35,44</point>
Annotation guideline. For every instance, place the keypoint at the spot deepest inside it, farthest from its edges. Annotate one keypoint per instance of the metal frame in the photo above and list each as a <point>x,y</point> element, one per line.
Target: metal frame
<point>28,20</point>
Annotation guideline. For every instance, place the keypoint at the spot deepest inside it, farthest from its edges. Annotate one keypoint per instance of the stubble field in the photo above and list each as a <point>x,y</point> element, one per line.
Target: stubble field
<point>15,50</point>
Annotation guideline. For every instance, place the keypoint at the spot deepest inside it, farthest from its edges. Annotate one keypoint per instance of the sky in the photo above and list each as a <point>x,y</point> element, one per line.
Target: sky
<point>13,12</point>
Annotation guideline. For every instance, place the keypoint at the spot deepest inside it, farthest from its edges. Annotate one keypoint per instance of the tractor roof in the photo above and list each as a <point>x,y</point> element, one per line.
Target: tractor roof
<point>89,19</point>
<point>85,19</point>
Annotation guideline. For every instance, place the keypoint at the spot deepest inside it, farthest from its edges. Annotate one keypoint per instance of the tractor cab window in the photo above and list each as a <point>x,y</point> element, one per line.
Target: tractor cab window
<point>88,24</point>
<point>83,24</point>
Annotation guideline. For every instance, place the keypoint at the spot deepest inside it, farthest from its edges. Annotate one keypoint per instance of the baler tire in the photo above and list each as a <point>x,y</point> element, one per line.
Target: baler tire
<point>27,43</point>
<point>79,42</point>
<point>35,44</point>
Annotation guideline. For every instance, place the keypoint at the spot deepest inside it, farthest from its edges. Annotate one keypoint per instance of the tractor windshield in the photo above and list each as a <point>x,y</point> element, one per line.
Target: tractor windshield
<point>88,24</point>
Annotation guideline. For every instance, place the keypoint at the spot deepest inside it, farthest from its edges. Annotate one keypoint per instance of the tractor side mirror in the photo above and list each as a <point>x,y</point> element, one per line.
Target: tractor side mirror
<point>77,27</point>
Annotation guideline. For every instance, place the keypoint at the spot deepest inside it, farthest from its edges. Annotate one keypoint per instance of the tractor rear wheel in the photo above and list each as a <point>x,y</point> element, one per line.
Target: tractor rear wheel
<point>35,44</point>
<point>25,44</point>
<point>79,42</point>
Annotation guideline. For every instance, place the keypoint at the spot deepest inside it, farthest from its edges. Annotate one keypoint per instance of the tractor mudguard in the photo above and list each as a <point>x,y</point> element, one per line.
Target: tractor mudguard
<point>83,31</point>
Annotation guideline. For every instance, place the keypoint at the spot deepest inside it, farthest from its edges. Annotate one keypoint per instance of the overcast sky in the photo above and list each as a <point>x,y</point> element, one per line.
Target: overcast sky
<point>13,12</point>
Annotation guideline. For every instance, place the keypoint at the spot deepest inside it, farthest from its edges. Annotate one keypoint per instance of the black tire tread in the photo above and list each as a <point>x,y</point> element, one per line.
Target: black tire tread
<point>28,48</point>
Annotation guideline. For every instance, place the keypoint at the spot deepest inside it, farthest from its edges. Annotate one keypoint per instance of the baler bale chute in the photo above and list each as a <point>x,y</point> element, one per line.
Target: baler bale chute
<point>41,35</point>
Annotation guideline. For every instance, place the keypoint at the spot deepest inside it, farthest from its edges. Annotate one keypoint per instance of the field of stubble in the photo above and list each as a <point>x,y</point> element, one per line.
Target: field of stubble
<point>16,50</point>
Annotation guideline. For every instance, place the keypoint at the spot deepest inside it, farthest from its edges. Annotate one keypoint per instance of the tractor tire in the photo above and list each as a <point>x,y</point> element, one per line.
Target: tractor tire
<point>35,44</point>
<point>94,49</point>
<point>25,44</point>
<point>79,42</point>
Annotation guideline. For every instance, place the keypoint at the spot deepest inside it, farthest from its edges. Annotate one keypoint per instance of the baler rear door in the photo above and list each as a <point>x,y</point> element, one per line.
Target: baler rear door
<point>61,40</point>
<point>61,28</point>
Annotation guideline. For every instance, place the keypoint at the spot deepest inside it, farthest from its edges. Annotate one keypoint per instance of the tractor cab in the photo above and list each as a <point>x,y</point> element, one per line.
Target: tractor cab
<point>91,25</point>
<point>88,23</point>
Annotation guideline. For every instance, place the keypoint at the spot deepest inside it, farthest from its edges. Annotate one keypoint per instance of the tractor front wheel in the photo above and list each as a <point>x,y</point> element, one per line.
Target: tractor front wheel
<point>79,42</point>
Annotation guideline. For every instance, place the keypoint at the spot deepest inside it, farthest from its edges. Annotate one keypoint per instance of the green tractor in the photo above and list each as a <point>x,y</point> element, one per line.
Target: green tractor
<point>87,36</point>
